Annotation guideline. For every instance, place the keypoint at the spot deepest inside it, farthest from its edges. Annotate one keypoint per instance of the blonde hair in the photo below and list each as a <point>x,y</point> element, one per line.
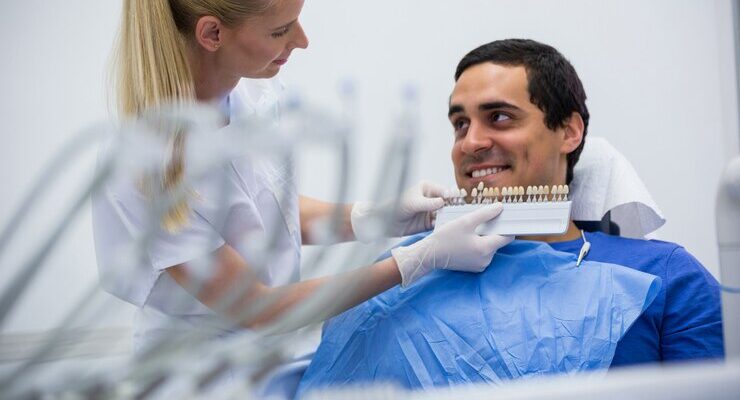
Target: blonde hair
<point>151,69</point>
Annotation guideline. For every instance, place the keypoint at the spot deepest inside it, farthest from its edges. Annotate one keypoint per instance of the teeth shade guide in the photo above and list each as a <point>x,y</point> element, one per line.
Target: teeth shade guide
<point>507,194</point>
<point>534,210</point>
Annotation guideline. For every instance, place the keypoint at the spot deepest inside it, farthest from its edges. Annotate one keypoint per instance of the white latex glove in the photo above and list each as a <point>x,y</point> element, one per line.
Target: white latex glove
<point>453,246</point>
<point>414,213</point>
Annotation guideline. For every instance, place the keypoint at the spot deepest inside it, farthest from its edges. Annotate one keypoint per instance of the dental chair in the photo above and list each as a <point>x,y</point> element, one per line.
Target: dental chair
<point>606,225</point>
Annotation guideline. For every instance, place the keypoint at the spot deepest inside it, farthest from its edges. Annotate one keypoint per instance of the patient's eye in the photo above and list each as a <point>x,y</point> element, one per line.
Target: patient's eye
<point>499,117</point>
<point>460,126</point>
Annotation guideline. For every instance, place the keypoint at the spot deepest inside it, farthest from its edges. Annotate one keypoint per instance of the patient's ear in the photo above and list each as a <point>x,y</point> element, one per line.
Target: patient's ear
<point>573,130</point>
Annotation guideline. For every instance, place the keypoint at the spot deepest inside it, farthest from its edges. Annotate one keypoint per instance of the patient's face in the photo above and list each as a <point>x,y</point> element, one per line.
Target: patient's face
<point>499,134</point>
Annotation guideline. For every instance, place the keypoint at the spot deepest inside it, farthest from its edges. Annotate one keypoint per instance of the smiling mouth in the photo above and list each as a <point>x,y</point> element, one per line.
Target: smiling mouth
<point>487,172</point>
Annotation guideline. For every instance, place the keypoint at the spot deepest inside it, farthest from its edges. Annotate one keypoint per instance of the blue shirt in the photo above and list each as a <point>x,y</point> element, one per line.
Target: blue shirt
<point>685,320</point>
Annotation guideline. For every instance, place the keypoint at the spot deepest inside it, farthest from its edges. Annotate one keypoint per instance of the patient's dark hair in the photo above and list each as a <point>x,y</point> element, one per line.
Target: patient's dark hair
<point>554,86</point>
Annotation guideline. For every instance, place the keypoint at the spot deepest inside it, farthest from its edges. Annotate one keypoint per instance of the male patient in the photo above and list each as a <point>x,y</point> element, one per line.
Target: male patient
<point>519,117</point>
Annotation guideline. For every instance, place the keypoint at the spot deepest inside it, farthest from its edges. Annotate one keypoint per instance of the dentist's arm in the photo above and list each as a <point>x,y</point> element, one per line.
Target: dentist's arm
<point>313,212</point>
<point>453,246</point>
<point>410,215</point>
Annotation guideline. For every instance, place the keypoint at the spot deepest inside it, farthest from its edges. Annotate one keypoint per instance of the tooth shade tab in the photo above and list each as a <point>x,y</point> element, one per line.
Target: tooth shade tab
<point>480,194</point>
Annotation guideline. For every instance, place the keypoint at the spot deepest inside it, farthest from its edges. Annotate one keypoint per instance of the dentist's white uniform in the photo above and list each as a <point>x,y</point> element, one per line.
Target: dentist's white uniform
<point>254,211</point>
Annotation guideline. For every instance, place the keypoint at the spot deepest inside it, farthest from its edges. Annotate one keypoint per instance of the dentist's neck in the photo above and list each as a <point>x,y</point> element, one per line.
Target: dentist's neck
<point>210,81</point>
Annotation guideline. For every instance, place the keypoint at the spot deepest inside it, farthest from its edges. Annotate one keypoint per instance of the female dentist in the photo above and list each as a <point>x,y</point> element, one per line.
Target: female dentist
<point>200,50</point>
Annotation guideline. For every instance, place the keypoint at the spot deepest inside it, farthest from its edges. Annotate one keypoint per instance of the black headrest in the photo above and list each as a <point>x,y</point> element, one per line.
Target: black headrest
<point>605,225</point>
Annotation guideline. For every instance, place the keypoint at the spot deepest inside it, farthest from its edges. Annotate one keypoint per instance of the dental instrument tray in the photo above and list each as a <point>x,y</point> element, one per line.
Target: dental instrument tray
<point>534,211</point>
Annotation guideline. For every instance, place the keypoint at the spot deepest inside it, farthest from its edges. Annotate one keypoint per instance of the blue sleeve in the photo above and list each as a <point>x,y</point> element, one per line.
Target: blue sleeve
<point>692,320</point>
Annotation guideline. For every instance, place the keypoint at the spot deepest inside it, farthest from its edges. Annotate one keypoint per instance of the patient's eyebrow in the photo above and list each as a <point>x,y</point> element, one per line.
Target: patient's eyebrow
<point>454,109</point>
<point>492,105</point>
<point>498,105</point>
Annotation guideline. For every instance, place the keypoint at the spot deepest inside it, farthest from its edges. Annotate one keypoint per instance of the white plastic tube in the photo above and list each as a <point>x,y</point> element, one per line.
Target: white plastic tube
<point>728,240</point>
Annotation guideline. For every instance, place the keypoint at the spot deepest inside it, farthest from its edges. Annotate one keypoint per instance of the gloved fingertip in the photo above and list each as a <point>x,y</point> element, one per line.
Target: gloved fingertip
<point>431,189</point>
<point>495,242</point>
<point>431,204</point>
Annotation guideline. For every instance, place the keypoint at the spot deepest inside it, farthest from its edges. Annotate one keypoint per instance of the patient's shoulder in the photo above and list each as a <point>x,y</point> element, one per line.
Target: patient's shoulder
<point>651,245</point>
<point>648,254</point>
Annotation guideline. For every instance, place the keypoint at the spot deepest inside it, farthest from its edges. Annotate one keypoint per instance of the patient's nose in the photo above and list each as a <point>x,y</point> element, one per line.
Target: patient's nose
<point>476,139</point>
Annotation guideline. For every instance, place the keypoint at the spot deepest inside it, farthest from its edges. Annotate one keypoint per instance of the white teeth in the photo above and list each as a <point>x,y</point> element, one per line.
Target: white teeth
<point>480,173</point>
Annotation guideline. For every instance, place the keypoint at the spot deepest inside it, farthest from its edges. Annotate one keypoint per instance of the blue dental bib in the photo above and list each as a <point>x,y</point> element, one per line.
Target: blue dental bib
<point>531,312</point>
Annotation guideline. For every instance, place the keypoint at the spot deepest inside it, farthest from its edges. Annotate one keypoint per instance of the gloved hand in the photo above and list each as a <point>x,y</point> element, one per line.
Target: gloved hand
<point>414,213</point>
<point>453,246</point>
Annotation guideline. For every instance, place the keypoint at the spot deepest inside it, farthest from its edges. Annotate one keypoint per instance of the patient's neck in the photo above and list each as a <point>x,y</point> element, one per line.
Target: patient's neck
<point>572,233</point>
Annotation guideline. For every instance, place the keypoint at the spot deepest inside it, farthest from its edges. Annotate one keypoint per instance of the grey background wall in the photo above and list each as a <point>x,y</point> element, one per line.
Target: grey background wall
<point>659,75</point>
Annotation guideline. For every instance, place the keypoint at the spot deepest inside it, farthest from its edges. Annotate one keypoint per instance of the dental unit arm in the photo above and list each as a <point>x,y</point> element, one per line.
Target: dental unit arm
<point>728,239</point>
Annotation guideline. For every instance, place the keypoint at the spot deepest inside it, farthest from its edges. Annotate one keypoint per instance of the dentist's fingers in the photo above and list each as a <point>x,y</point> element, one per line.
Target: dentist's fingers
<point>428,204</point>
<point>480,216</point>
<point>431,189</point>
<point>494,242</point>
